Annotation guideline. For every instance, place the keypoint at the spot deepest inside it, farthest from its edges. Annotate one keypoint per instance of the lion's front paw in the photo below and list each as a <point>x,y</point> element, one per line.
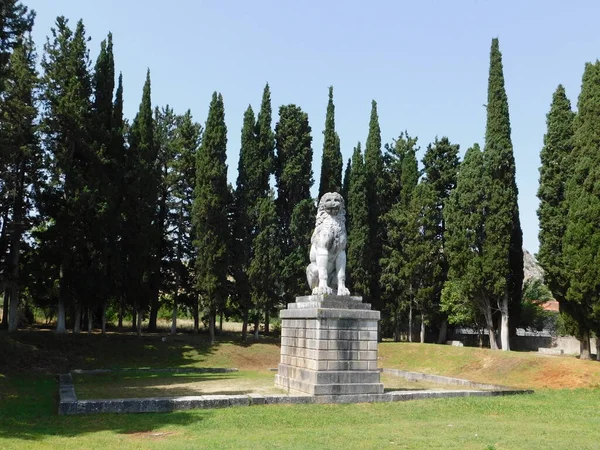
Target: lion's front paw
<point>343,291</point>
<point>323,290</point>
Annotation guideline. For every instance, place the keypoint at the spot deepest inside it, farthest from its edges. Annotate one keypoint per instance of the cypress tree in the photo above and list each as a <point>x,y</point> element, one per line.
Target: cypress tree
<point>293,174</point>
<point>464,295</point>
<point>265,137</point>
<point>346,184</point>
<point>266,260</point>
<point>553,209</point>
<point>21,172</point>
<point>247,188</point>
<point>504,237</point>
<point>440,165</point>
<point>374,180</point>
<point>140,235</point>
<point>332,162</point>
<point>181,197</point>
<point>16,20</point>
<point>581,242</point>
<point>118,276</point>
<point>106,225</point>
<point>210,212</point>
<point>420,249</point>
<point>66,95</point>
<point>358,276</point>
<point>165,135</point>
<point>397,278</point>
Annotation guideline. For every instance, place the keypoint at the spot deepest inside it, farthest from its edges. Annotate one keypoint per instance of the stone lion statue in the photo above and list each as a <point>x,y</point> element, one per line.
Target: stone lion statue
<point>326,272</point>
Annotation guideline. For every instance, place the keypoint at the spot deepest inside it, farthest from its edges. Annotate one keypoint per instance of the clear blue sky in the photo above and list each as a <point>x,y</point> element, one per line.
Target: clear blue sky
<point>424,62</point>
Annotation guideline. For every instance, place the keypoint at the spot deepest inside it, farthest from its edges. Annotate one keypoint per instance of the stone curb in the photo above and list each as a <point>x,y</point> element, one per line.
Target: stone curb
<point>164,369</point>
<point>70,405</point>
<point>418,376</point>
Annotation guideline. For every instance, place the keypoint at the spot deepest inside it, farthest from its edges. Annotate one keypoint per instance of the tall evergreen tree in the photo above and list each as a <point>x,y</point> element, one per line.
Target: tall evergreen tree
<point>420,247</point>
<point>246,192</point>
<point>106,226</point>
<point>332,162</point>
<point>346,183</point>
<point>293,174</point>
<point>66,124</point>
<point>464,295</point>
<point>553,209</point>
<point>117,262</point>
<point>581,242</point>
<point>178,138</point>
<point>266,258</point>
<point>358,276</point>
<point>397,277</point>
<point>374,180</point>
<point>140,233</point>
<point>440,165</point>
<point>20,142</point>
<point>16,20</point>
<point>266,148</point>
<point>165,130</point>
<point>504,237</point>
<point>210,212</point>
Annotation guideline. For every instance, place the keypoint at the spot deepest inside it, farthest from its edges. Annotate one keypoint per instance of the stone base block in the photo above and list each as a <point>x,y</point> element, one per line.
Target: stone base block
<point>306,387</point>
<point>329,347</point>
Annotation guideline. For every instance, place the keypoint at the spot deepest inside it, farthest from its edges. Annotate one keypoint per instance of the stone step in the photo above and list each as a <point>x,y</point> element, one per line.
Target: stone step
<point>329,376</point>
<point>328,389</point>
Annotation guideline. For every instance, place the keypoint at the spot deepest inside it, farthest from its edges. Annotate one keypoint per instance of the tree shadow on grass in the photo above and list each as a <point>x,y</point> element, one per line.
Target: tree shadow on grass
<point>140,385</point>
<point>28,411</point>
<point>43,351</point>
<point>31,359</point>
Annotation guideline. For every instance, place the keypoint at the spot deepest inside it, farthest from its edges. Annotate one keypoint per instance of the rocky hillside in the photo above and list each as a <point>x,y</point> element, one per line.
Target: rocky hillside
<point>531,268</point>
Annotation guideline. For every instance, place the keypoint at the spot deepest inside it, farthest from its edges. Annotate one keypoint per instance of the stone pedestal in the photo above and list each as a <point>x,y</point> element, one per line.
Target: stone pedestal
<point>329,347</point>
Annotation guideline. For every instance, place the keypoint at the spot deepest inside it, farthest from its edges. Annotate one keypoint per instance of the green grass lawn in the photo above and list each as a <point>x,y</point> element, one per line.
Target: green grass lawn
<point>548,419</point>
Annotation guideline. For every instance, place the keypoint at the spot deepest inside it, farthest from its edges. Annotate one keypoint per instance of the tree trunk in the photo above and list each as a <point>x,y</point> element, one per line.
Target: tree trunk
<point>422,333</point>
<point>221,322</point>
<point>61,327</point>
<point>154,305</point>
<point>489,320</point>
<point>157,278</point>
<point>245,325</point>
<point>597,348</point>
<point>267,321</point>
<point>504,329</point>
<point>443,334</point>
<point>196,317</point>
<point>15,248</point>
<point>104,318</point>
<point>120,324</point>
<point>139,323</point>
<point>397,326</point>
<point>13,305</point>
<point>90,322</point>
<point>256,324</point>
<point>3,251</point>
<point>134,319</point>
<point>174,315</point>
<point>212,318</point>
<point>6,294</point>
<point>77,322</point>
<point>410,324</point>
<point>584,344</point>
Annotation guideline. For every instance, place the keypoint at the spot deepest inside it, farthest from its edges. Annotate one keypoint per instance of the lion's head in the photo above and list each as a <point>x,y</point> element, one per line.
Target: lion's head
<point>331,204</point>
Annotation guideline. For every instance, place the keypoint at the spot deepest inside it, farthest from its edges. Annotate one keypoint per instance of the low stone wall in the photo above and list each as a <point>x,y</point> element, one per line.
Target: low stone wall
<point>568,344</point>
<point>70,405</point>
